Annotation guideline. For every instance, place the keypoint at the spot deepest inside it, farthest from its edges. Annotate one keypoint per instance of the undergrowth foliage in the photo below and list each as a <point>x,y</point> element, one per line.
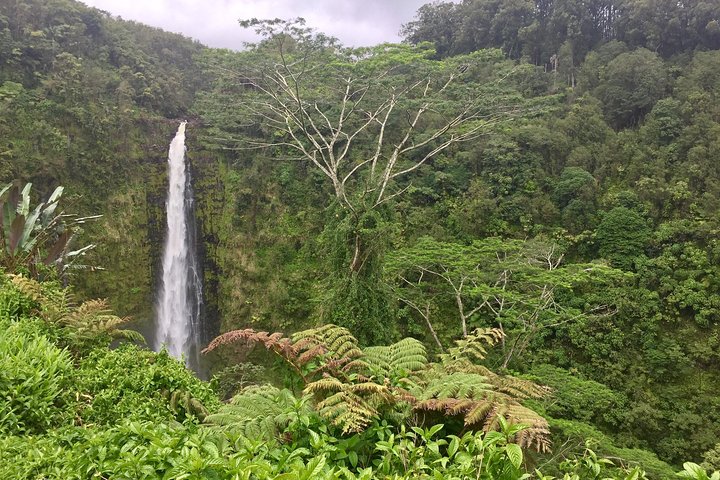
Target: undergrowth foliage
<point>34,380</point>
<point>353,387</point>
<point>364,413</point>
<point>89,322</point>
<point>260,411</point>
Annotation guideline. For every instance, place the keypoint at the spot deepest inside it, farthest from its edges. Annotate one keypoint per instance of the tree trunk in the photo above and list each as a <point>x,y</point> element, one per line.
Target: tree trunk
<point>356,263</point>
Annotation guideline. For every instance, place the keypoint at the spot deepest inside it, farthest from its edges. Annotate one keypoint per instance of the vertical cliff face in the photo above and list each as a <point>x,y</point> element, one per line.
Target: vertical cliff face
<point>131,232</point>
<point>209,192</point>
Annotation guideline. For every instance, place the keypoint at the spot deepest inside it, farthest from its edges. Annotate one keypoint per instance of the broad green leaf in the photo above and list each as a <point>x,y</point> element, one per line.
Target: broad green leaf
<point>515,454</point>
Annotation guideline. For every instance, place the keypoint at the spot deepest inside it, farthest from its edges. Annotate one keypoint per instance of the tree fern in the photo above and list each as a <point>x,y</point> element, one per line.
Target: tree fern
<point>353,387</point>
<point>537,433</point>
<point>310,353</point>
<point>351,407</point>
<point>338,340</point>
<point>338,347</point>
<point>485,413</point>
<point>517,387</point>
<point>460,386</point>
<point>250,337</point>
<point>94,318</point>
<point>259,412</point>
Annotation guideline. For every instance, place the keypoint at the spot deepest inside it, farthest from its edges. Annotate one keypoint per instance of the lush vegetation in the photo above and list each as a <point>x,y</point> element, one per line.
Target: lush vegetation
<point>484,247</point>
<point>73,408</point>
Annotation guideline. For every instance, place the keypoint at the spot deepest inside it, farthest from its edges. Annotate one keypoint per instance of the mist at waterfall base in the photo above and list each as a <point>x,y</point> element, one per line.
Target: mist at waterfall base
<point>179,326</point>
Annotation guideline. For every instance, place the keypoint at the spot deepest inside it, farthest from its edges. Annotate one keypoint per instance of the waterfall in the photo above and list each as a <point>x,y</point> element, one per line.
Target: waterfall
<point>180,295</point>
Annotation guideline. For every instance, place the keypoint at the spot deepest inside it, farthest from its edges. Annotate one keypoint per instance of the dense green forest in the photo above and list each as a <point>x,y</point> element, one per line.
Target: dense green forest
<point>491,250</point>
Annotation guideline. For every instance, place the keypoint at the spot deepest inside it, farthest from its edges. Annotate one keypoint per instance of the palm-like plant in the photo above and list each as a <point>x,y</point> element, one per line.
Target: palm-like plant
<point>31,237</point>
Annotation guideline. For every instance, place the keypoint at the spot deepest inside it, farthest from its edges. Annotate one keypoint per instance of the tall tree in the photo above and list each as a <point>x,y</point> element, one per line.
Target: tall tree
<point>366,119</point>
<point>516,286</point>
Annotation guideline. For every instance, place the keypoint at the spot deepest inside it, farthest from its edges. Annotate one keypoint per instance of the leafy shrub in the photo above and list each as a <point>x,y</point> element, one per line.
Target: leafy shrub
<point>130,450</point>
<point>712,458</point>
<point>577,399</point>
<point>146,450</point>
<point>34,377</point>
<point>133,383</point>
<point>578,433</point>
<point>622,236</point>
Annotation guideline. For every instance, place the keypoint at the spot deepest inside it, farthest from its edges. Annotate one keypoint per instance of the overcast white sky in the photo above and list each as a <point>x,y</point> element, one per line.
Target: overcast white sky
<point>215,22</point>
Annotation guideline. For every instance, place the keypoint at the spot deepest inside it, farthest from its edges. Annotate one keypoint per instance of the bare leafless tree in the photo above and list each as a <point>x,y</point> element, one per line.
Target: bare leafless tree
<point>365,118</point>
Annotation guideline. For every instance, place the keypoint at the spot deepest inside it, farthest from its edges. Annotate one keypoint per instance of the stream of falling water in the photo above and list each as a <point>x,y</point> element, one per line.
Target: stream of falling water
<point>180,295</point>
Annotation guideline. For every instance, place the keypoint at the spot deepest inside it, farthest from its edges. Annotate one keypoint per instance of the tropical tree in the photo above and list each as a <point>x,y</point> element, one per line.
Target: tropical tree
<point>516,286</point>
<point>622,236</point>
<point>631,84</point>
<point>366,119</point>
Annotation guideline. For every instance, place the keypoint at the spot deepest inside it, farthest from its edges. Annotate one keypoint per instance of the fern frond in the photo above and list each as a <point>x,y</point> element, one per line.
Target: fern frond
<point>347,410</point>
<point>89,320</point>
<point>518,387</point>
<point>87,309</point>
<point>350,406</point>
<point>338,341</point>
<point>258,412</point>
<point>371,388</point>
<point>537,433</point>
<point>480,410</point>
<point>358,364</point>
<point>30,288</point>
<point>249,336</point>
<point>483,399</point>
<point>311,353</point>
<point>130,335</point>
<point>323,350</point>
<point>448,406</point>
<point>473,347</point>
<point>492,419</point>
<point>94,318</point>
<point>458,385</point>
<point>328,384</point>
<point>397,360</point>
<point>52,303</point>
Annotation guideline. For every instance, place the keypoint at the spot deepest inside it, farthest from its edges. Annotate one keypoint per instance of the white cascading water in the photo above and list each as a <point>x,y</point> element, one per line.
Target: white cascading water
<point>178,309</point>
